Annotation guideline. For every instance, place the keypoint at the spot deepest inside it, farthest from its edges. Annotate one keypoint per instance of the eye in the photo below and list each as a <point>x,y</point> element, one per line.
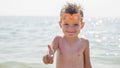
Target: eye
<point>66,24</point>
<point>76,24</point>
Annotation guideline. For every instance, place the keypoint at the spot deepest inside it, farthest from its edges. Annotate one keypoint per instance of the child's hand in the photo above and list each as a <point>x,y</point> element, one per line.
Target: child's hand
<point>48,59</point>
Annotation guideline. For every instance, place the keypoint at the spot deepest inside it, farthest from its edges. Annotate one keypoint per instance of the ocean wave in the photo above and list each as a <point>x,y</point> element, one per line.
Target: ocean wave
<point>13,64</point>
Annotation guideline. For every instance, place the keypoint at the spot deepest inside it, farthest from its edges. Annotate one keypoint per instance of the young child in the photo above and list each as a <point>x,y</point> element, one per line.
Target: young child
<point>72,51</point>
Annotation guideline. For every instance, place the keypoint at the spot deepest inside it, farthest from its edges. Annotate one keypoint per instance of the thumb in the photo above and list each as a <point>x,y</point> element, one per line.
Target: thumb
<point>51,51</point>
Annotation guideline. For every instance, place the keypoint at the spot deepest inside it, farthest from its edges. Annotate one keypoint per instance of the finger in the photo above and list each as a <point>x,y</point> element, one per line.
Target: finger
<point>50,59</point>
<point>45,59</point>
<point>50,54</point>
<point>50,50</point>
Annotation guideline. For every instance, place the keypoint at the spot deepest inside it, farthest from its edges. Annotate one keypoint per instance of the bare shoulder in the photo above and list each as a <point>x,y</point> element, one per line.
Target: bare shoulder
<point>85,41</point>
<point>55,42</point>
<point>57,37</point>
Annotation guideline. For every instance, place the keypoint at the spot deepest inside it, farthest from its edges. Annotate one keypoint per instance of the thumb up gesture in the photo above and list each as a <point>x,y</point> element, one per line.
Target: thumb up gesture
<point>48,59</point>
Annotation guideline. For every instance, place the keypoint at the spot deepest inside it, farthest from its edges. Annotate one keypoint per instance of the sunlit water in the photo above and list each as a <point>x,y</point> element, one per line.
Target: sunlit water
<point>24,40</point>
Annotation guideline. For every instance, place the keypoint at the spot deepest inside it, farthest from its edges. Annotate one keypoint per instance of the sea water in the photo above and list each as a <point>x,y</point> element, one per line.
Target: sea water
<point>24,40</point>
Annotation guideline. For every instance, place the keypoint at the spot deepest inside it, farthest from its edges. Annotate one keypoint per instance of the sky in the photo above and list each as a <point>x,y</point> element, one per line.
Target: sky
<point>92,8</point>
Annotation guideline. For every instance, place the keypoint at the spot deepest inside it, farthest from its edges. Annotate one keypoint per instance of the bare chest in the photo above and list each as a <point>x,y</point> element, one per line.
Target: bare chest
<point>75,49</point>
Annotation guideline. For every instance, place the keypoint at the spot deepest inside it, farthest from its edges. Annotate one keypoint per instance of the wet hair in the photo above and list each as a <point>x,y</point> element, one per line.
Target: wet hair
<point>72,8</point>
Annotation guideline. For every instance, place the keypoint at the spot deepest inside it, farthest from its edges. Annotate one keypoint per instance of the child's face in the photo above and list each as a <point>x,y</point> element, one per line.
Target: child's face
<point>71,24</point>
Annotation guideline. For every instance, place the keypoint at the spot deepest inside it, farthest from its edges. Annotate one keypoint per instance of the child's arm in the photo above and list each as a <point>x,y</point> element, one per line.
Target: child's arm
<point>87,63</point>
<point>48,58</point>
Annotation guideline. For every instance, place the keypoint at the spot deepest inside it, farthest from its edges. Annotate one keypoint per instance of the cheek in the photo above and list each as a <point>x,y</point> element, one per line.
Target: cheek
<point>77,28</point>
<point>63,29</point>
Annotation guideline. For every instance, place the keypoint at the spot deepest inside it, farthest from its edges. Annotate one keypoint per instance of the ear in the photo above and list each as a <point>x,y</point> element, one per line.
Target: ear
<point>82,25</point>
<point>60,24</point>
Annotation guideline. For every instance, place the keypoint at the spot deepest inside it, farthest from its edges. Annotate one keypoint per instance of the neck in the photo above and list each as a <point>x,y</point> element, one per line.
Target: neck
<point>71,39</point>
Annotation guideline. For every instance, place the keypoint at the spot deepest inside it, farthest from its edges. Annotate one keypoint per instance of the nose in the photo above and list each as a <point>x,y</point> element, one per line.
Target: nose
<point>71,28</point>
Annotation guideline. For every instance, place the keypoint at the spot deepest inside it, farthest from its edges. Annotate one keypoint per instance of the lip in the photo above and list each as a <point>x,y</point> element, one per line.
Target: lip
<point>71,33</point>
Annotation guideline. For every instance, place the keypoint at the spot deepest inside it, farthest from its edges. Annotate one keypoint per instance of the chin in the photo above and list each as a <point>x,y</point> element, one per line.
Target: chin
<point>71,36</point>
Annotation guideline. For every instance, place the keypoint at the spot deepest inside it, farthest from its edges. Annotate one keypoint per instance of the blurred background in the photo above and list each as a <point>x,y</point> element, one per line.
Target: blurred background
<point>28,26</point>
